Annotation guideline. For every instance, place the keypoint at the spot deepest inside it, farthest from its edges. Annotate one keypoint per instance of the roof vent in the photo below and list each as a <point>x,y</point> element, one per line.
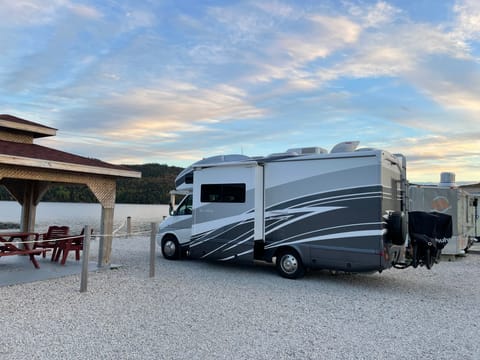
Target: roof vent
<point>367,149</point>
<point>281,155</point>
<point>221,159</point>
<point>308,150</point>
<point>447,179</point>
<point>347,146</point>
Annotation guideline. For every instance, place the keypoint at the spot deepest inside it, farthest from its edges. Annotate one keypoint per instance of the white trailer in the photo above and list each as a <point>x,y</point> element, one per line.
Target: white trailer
<point>447,198</point>
<point>306,208</point>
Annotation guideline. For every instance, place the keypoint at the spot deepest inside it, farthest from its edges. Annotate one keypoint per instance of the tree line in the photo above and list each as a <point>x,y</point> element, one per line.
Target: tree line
<point>152,188</point>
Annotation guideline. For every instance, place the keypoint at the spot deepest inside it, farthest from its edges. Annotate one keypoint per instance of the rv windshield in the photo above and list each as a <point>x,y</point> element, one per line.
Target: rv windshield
<point>185,206</point>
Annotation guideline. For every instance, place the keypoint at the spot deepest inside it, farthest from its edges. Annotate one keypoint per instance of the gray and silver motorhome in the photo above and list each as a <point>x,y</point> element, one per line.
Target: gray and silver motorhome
<point>344,210</point>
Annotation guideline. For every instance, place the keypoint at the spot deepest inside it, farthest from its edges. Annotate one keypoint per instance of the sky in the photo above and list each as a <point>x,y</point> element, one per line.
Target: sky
<point>172,81</point>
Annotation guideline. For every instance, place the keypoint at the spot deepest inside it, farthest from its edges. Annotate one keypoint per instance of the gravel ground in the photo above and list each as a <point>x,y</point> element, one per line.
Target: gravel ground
<point>198,310</point>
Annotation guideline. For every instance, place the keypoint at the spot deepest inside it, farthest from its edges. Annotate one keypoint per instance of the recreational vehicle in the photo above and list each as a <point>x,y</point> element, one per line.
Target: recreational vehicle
<point>306,208</point>
<point>474,191</point>
<point>447,198</point>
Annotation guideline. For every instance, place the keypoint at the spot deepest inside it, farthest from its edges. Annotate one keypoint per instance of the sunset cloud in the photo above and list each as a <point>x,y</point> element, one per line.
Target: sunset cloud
<point>151,81</point>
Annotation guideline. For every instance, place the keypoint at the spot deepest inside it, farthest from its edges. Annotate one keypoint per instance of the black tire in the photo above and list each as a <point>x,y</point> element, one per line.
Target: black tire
<point>415,255</point>
<point>289,264</point>
<point>170,248</point>
<point>429,260</point>
<point>397,232</point>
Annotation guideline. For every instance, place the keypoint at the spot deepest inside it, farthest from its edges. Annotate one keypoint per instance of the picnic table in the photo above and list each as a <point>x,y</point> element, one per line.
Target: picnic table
<point>9,247</point>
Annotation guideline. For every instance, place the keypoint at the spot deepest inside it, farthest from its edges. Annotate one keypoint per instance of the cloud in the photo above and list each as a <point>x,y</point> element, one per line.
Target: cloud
<point>209,54</point>
<point>290,55</point>
<point>453,95</point>
<point>140,18</point>
<point>240,24</point>
<point>375,15</point>
<point>467,25</point>
<point>453,84</point>
<point>24,13</point>
<point>238,73</point>
<point>167,109</point>
<point>326,35</point>
<point>78,47</point>
<point>28,12</point>
<point>356,46</point>
<point>84,11</point>
<point>374,41</point>
<point>429,155</point>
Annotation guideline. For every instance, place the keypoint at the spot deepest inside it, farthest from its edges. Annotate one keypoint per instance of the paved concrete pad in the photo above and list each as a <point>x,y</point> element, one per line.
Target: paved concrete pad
<point>19,269</point>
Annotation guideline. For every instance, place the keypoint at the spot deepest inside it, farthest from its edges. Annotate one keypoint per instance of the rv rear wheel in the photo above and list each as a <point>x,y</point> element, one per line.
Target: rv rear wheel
<point>289,264</point>
<point>170,248</point>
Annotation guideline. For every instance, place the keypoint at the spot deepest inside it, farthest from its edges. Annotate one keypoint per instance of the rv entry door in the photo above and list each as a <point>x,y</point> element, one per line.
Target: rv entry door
<point>225,201</point>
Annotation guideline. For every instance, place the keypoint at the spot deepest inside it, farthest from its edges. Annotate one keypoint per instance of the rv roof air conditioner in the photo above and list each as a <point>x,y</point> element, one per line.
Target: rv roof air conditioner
<point>307,150</point>
<point>347,146</point>
<point>447,179</point>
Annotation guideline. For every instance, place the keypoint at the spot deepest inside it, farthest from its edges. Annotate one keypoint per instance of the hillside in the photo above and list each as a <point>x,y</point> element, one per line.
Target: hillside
<point>157,180</point>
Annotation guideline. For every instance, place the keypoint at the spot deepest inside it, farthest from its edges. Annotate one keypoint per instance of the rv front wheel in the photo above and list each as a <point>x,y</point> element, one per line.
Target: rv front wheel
<point>289,264</point>
<point>170,248</point>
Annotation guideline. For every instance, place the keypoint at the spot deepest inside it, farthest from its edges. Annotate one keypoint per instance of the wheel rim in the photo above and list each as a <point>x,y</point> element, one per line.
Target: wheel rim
<point>289,264</point>
<point>169,248</point>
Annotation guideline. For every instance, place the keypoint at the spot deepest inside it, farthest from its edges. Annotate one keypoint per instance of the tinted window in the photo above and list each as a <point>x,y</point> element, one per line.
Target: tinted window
<point>185,208</point>
<point>230,193</point>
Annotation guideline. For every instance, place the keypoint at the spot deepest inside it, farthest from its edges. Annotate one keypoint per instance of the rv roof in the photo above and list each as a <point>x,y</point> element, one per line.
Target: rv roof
<point>279,157</point>
<point>182,180</point>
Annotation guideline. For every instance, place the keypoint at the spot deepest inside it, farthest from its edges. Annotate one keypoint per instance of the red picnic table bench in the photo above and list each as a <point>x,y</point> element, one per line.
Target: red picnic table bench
<point>8,247</point>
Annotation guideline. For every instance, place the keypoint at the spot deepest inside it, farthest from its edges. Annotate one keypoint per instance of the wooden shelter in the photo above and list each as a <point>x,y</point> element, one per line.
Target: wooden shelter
<point>27,170</point>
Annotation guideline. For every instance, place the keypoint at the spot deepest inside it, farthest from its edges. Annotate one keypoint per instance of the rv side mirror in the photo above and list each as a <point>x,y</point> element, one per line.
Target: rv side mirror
<point>170,209</point>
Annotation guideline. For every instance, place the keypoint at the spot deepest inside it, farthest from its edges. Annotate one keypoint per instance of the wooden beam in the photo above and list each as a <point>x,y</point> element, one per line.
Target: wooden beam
<point>34,129</point>
<point>57,165</point>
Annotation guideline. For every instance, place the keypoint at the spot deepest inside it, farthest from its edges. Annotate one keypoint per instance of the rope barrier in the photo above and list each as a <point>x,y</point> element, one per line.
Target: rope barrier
<point>120,227</point>
<point>41,241</point>
<point>93,236</point>
<point>75,237</point>
<point>125,235</point>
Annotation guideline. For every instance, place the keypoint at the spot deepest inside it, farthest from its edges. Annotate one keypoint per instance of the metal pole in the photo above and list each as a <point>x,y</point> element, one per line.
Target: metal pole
<point>475,203</point>
<point>86,249</point>
<point>152,248</point>
<point>129,226</point>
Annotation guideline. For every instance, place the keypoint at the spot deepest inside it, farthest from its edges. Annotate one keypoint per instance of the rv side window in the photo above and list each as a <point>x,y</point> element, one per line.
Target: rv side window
<point>230,193</point>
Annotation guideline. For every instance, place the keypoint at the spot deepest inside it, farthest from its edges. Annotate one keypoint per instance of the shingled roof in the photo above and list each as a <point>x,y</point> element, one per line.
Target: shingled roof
<point>40,156</point>
<point>17,148</point>
<point>9,123</point>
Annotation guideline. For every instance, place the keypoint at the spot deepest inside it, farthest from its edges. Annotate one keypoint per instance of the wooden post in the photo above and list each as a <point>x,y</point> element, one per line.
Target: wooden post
<point>104,191</point>
<point>85,256</point>
<point>27,223</point>
<point>154,227</point>
<point>105,243</point>
<point>129,226</point>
